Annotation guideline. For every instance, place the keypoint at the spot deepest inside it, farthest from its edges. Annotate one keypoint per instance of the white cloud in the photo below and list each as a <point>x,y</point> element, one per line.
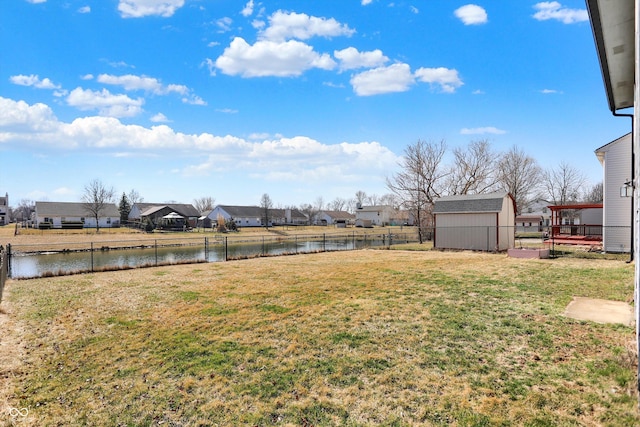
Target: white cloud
<point>482,131</point>
<point>446,78</point>
<point>366,2</point>
<point>268,58</point>
<point>394,78</point>
<point>210,64</point>
<point>248,9</point>
<point>148,84</point>
<point>193,100</point>
<point>284,26</point>
<point>141,8</point>
<point>18,117</point>
<point>553,10</point>
<point>224,24</point>
<point>84,9</point>
<point>277,158</point>
<point>33,80</point>
<point>350,58</point>
<point>414,9</point>
<point>159,118</point>
<point>471,14</point>
<point>105,102</point>
<point>87,77</point>
<point>226,110</point>
<point>549,91</point>
<point>36,1</point>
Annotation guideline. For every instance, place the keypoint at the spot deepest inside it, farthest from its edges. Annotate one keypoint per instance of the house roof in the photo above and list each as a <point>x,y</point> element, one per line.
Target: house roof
<point>257,212</point>
<point>59,209</point>
<point>528,218</point>
<point>613,26</point>
<point>184,209</point>
<point>470,203</point>
<point>338,214</point>
<point>600,151</point>
<point>378,208</point>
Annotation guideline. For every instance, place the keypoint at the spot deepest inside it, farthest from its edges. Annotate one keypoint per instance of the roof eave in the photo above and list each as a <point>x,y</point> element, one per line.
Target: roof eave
<point>613,27</point>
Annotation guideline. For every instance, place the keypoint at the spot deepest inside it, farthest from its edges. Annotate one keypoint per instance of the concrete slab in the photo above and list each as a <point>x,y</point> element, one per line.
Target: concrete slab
<point>600,311</point>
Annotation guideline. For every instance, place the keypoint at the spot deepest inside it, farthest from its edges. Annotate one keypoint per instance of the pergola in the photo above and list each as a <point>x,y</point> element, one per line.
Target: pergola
<point>586,233</point>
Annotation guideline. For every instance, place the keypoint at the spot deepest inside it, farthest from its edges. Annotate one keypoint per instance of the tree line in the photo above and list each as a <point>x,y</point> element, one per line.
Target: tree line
<point>423,177</point>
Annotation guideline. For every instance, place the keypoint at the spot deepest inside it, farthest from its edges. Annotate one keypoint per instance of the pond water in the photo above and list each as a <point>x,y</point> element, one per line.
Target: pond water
<point>27,265</point>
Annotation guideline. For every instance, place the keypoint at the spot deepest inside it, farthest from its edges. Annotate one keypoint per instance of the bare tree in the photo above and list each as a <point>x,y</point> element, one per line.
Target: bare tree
<point>563,184</point>
<point>204,204</point>
<point>519,175</point>
<point>134,197</point>
<point>361,198</point>
<point>473,171</point>
<point>23,211</point>
<point>266,204</point>
<point>338,204</point>
<point>595,194</point>
<point>95,199</point>
<point>420,180</point>
<point>390,199</point>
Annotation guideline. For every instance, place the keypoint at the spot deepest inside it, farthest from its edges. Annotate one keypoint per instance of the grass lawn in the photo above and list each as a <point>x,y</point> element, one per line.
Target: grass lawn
<point>363,338</point>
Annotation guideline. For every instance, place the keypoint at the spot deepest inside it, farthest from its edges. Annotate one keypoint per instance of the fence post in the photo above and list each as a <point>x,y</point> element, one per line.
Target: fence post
<point>155,245</point>
<point>226,253</point>
<point>263,250</point>
<point>9,259</point>
<point>296,244</point>
<point>324,242</point>
<point>206,249</point>
<point>91,257</point>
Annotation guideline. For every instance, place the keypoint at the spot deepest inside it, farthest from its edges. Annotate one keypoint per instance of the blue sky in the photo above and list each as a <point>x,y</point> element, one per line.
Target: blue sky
<point>181,99</point>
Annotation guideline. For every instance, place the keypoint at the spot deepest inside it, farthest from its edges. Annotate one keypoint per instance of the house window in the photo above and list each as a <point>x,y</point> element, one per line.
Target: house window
<point>82,220</point>
<point>109,220</point>
<point>544,210</point>
<point>63,219</point>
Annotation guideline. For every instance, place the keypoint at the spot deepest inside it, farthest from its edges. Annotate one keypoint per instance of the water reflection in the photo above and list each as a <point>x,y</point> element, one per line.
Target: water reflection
<point>42,264</point>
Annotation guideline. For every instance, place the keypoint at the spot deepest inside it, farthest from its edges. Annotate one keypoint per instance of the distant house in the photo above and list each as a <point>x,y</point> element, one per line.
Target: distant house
<point>74,215</point>
<point>253,216</point>
<point>529,223</point>
<point>483,222</point>
<point>617,215</point>
<point>334,218</point>
<point>375,215</point>
<point>4,209</point>
<point>538,208</point>
<point>154,211</point>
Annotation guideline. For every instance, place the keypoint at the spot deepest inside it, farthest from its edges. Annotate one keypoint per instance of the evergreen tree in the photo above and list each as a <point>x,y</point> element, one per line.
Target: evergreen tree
<point>124,208</point>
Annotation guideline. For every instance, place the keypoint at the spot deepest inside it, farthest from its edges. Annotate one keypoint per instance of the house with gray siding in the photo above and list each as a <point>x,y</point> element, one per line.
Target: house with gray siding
<point>615,158</point>
<point>381,215</point>
<point>481,222</point>
<point>254,216</point>
<point>154,212</point>
<point>70,214</point>
<point>334,218</point>
<point>4,209</point>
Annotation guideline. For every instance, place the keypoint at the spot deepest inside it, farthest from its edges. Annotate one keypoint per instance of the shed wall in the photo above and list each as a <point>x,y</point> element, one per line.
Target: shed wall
<point>466,231</point>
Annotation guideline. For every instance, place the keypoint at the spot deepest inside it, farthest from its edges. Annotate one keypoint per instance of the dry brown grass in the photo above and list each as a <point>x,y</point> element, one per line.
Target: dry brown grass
<point>358,338</point>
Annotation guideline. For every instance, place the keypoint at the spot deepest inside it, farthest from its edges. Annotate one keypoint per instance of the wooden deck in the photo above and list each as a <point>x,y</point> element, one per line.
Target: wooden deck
<point>563,239</point>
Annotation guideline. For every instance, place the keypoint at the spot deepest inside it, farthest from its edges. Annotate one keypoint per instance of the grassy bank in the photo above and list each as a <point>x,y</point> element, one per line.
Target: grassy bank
<point>360,339</point>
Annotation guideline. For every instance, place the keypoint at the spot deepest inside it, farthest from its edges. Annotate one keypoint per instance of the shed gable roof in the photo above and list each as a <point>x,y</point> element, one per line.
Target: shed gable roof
<point>476,203</point>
